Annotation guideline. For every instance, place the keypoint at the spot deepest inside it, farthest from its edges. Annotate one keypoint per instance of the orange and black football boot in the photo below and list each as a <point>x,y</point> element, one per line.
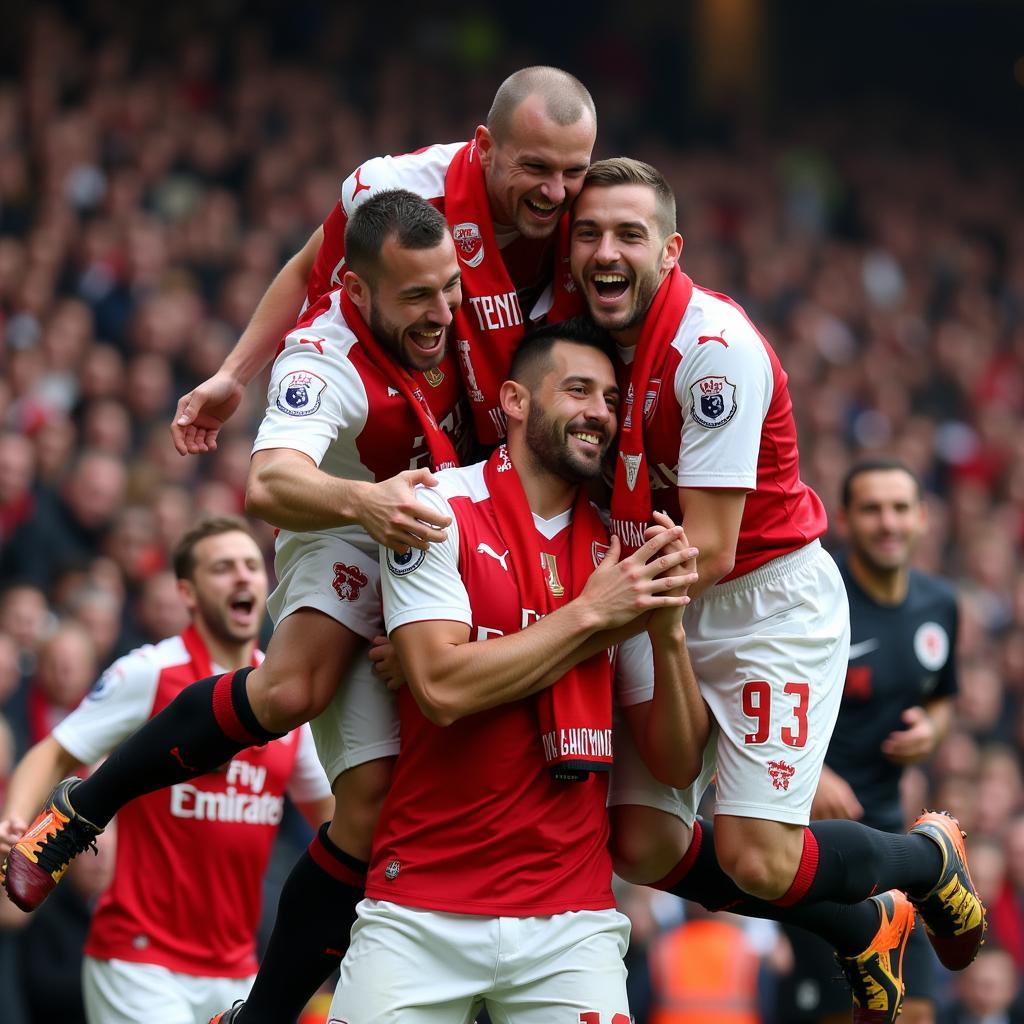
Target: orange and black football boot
<point>227,1016</point>
<point>38,860</point>
<point>876,975</point>
<point>953,914</point>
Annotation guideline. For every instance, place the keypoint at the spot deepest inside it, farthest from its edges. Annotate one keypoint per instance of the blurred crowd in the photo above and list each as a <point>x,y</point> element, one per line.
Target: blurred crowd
<point>148,194</point>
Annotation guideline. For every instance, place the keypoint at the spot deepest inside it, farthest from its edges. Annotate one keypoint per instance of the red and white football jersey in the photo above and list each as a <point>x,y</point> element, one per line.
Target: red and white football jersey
<point>473,822</point>
<point>423,173</point>
<point>188,877</point>
<point>328,400</point>
<point>720,415</point>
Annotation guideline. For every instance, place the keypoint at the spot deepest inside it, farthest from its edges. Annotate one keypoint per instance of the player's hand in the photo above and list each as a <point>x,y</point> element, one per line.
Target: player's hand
<point>665,621</point>
<point>203,411</point>
<point>621,589</point>
<point>385,663</point>
<point>913,743</point>
<point>11,830</point>
<point>835,798</point>
<point>392,516</point>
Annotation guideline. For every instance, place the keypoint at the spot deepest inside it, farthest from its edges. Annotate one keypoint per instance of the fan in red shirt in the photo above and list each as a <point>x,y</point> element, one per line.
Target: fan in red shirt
<point>173,938</point>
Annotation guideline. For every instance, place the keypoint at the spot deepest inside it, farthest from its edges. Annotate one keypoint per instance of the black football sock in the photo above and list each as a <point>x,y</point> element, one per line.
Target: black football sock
<point>845,862</point>
<point>205,725</point>
<point>311,933</point>
<point>699,877</point>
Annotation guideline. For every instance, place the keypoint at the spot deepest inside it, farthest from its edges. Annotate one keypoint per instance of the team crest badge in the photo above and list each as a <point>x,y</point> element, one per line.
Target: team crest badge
<point>780,773</point>
<point>714,401</point>
<point>433,377</point>
<point>300,393</point>
<point>348,581</point>
<point>550,566</point>
<point>402,565</point>
<point>931,645</point>
<point>651,396</point>
<point>598,551</point>
<point>392,870</point>
<point>632,464</point>
<point>469,243</point>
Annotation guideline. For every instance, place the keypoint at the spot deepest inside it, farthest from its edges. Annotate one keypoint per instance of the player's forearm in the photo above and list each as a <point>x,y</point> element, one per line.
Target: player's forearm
<point>294,494</point>
<point>678,724</point>
<point>463,679</point>
<point>592,645</point>
<point>36,774</point>
<point>273,318</point>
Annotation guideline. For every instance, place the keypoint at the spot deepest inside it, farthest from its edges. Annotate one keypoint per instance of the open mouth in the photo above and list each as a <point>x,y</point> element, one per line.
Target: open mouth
<point>242,605</point>
<point>610,285</point>
<point>427,339</point>
<point>542,209</point>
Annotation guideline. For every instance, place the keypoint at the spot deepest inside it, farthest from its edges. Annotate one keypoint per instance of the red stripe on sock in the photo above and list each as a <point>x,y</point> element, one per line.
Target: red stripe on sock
<point>682,869</point>
<point>327,862</point>
<point>804,873</point>
<point>227,718</point>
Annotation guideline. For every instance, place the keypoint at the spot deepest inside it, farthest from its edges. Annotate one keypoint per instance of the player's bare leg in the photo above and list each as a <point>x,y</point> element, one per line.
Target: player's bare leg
<point>761,857</point>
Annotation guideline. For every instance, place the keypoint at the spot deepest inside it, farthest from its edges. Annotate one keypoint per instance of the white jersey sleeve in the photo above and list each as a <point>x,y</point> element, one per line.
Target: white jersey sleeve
<point>308,782</point>
<point>634,671</point>
<point>724,386</point>
<point>315,392</point>
<point>425,585</point>
<point>119,703</point>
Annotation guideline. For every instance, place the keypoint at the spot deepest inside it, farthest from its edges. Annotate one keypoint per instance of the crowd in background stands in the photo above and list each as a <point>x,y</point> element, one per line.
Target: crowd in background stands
<point>145,204</point>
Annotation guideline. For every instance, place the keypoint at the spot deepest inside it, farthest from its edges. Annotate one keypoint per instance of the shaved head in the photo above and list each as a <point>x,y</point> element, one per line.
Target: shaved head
<point>565,98</point>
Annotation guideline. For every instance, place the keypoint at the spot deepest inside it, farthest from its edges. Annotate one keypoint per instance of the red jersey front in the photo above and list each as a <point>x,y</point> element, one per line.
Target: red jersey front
<point>473,822</point>
<point>718,414</point>
<point>188,877</point>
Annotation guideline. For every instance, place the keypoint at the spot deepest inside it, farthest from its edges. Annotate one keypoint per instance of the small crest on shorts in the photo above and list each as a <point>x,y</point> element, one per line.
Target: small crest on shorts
<point>405,563</point>
<point>300,393</point>
<point>348,581</point>
<point>632,464</point>
<point>391,871</point>
<point>780,773</point>
<point>714,401</point>
<point>469,243</point>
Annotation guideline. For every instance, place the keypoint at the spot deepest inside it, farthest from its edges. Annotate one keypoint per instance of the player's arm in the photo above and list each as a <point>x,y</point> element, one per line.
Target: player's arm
<point>923,730</point>
<point>287,489</point>
<point>36,774</point>
<point>316,812</point>
<point>203,411</point>
<point>450,677</point>
<point>712,520</point>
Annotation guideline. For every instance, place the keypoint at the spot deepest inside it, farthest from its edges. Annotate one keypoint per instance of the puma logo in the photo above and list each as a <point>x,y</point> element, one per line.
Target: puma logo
<point>486,549</point>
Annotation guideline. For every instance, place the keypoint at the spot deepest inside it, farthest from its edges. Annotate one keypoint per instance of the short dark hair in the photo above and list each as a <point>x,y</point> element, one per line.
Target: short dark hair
<point>565,98</point>
<point>624,170</point>
<point>876,464</point>
<point>394,212</point>
<point>183,558</point>
<point>534,353</point>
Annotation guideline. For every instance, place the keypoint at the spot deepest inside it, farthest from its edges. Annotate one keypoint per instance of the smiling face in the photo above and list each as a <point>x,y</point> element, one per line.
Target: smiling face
<point>534,173</point>
<point>411,300</point>
<point>228,586</point>
<point>884,519</point>
<point>571,419</point>
<point>620,254</point>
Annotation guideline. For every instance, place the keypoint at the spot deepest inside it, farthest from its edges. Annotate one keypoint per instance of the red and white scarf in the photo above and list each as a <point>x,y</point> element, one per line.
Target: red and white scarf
<point>442,452</point>
<point>576,712</point>
<point>631,492</point>
<point>485,355</point>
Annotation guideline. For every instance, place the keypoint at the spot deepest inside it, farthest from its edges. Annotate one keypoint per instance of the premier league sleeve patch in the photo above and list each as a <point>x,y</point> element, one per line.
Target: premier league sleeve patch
<point>300,393</point>
<point>713,401</point>
<point>402,565</point>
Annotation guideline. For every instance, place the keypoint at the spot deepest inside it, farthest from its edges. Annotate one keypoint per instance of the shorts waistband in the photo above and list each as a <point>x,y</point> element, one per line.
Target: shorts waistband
<point>776,569</point>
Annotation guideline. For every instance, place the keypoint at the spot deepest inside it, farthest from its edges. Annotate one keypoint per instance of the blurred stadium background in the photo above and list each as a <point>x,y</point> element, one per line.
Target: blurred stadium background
<point>851,173</point>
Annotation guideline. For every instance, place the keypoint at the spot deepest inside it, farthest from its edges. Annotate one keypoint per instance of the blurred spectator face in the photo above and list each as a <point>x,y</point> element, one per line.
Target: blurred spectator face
<point>161,611</point>
<point>107,427</point>
<point>173,509</point>
<point>630,264</point>
<point>96,489</point>
<point>989,985</point>
<point>535,168</point>
<point>884,519</point>
<point>17,465</point>
<point>988,869</point>
<point>67,666</point>
<point>24,616</point>
<point>957,754</point>
<point>10,668</point>
<point>133,543</point>
<point>228,588</point>
<point>980,700</point>
<point>102,374</point>
<point>55,444</point>
<point>99,612</point>
<point>149,387</point>
<point>67,335</point>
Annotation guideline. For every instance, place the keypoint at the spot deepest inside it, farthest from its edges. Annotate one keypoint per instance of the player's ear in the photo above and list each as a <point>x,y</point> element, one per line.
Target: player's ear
<point>187,591</point>
<point>484,144</point>
<point>515,400</point>
<point>357,290</point>
<point>672,251</point>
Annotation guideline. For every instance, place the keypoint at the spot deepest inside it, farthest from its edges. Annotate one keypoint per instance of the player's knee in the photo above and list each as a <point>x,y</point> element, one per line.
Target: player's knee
<point>759,871</point>
<point>634,856</point>
<point>645,843</point>
<point>290,699</point>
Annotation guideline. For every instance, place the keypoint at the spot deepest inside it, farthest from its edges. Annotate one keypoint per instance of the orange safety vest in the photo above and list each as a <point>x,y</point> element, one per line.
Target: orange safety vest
<point>704,972</point>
